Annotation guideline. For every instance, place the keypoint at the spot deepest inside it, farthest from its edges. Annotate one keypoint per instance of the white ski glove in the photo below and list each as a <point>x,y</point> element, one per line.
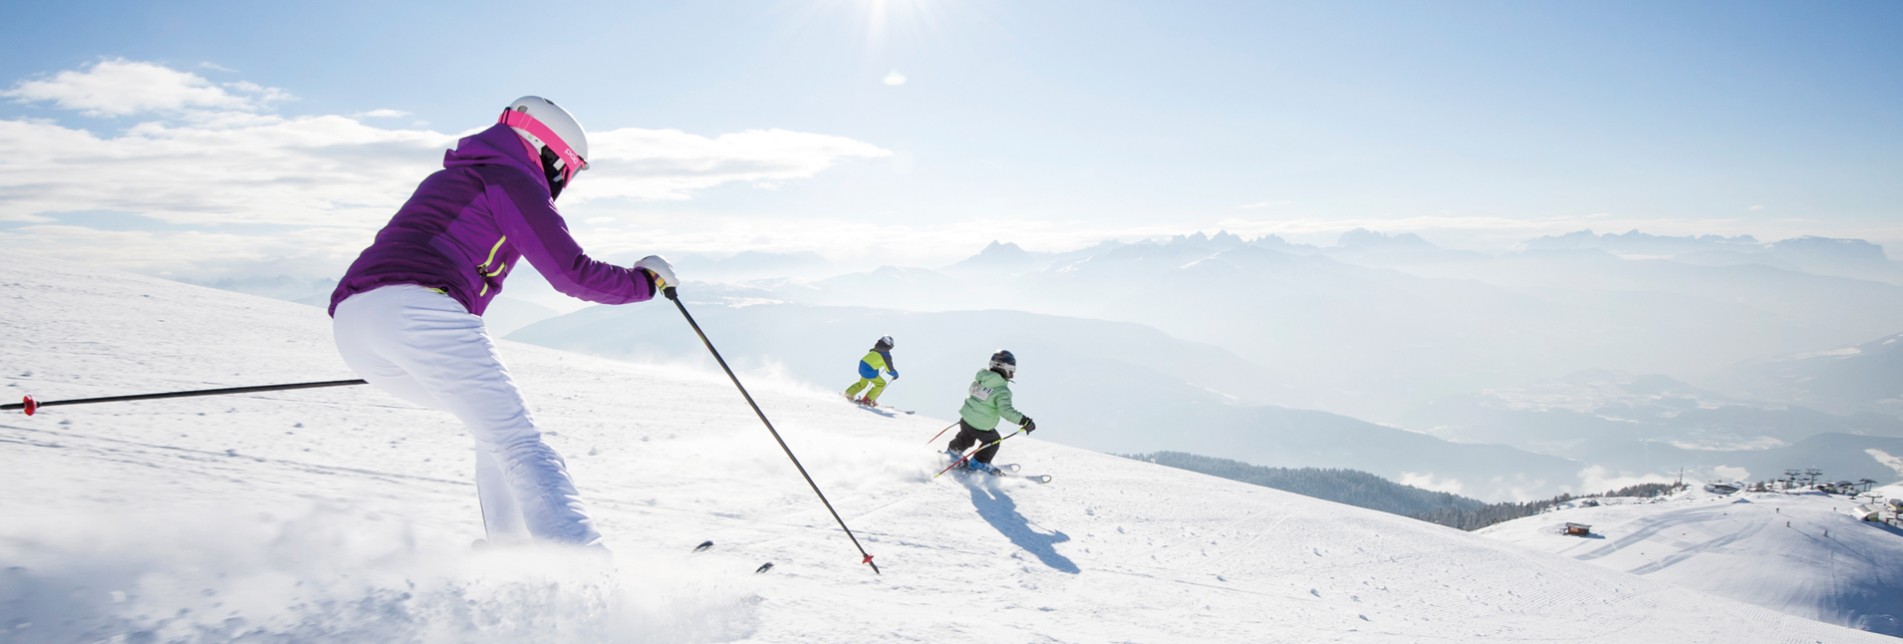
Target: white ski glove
<point>658,270</point>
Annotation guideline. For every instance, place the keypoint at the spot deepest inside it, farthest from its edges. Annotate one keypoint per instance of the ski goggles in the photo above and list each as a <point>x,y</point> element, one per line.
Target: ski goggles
<point>572,163</point>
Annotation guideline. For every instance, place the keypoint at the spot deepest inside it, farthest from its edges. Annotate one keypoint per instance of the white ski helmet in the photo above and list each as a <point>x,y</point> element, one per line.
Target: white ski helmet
<point>884,341</point>
<point>553,136</point>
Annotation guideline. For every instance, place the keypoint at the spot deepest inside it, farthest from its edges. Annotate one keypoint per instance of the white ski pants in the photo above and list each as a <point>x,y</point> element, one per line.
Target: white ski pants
<point>424,347</point>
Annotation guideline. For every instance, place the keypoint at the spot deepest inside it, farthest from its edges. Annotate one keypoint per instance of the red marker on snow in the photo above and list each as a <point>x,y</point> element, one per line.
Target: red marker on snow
<point>29,404</point>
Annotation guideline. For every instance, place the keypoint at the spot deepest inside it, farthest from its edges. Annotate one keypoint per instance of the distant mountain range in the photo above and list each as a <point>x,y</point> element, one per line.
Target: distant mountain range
<point>1651,423</point>
<point>1381,323</point>
<point>1862,378</point>
<point>1821,255</point>
<point>1217,340</point>
<point>1107,386</point>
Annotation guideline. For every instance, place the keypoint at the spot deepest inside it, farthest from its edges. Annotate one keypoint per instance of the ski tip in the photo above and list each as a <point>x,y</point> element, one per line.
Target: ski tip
<point>29,405</point>
<point>763,568</point>
<point>1044,478</point>
<point>704,545</point>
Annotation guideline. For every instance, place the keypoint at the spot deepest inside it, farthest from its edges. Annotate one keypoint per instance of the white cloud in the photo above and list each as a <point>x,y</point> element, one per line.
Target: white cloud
<point>894,79</point>
<point>671,164</point>
<point>381,114</point>
<point>205,154</point>
<point>1427,481</point>
<point>237,165</point>
<point>1596,479</point>
<point>1488,232</point>
<point>216,168</point>
<point>1730,473</point>
<point>1888,460</point>
<point>120,87</point>
<point>196,254</point>
<point>261,95</point>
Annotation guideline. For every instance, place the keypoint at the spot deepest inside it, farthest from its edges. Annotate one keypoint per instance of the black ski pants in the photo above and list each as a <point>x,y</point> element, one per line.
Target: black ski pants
<point>968,436</point>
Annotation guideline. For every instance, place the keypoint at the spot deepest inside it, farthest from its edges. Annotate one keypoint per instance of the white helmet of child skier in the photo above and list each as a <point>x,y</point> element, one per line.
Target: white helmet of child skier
<point>553,135</point>
<point>885,341</point>
<point>1006,363</point>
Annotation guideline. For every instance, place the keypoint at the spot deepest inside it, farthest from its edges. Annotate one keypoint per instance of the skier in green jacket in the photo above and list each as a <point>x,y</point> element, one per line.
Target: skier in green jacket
<point>990,400</point>
<point>876,360</point>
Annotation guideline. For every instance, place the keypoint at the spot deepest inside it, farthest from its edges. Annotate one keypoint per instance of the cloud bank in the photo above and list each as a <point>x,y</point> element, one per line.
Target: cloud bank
<point>210,165</point>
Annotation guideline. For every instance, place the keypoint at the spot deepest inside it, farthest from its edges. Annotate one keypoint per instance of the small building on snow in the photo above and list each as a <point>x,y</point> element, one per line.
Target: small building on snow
<point>1577,529</point>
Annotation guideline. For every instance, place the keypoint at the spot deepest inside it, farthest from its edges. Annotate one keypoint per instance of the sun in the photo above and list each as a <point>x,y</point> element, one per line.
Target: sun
<point>888,21</point>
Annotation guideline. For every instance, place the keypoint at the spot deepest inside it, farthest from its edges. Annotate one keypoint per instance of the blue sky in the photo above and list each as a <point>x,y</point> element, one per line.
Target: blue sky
<point>1053,124</point>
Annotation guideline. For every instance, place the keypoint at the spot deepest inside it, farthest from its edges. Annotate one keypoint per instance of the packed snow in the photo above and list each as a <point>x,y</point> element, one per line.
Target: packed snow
<point>1805,553</point>
<point>345,515</point>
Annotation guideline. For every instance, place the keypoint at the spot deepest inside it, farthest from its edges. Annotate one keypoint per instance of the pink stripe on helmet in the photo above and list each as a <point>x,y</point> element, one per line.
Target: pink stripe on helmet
<point>571,162</point>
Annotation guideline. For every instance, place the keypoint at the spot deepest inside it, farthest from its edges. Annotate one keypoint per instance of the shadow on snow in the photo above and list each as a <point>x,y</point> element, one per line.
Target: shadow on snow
<point>1002,513</point>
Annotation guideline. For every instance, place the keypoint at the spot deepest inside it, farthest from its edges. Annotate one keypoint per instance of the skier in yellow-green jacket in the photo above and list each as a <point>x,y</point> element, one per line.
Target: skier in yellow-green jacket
<point>876,360</point>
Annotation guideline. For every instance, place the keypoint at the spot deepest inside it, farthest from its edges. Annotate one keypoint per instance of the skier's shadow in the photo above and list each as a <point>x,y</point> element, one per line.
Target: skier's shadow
<point>1002,513</point>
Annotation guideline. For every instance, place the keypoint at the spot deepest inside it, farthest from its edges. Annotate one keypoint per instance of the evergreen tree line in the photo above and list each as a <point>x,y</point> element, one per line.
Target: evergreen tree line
<point>1361,489</point>
<point>1492,513</point>
<point>1353,487</point>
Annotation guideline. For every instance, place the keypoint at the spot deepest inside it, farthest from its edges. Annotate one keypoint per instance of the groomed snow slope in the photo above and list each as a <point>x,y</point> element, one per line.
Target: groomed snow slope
<point>342,514</point>
<point>1806,554</point>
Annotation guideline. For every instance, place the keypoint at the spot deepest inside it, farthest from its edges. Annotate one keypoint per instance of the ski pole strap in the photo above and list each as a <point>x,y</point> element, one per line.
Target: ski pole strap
<point>29,405</point>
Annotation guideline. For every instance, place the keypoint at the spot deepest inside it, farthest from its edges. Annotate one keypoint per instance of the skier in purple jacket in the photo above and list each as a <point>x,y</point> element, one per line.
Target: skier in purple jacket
<point>407,314</point>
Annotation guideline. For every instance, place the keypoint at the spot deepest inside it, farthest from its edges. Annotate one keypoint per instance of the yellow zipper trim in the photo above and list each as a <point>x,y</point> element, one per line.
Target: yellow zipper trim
<point>485,265</point>
<point>492,252</point>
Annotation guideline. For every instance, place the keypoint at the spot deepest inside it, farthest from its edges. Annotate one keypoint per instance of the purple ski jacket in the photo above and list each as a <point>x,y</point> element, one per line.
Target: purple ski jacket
<point>469,224</point>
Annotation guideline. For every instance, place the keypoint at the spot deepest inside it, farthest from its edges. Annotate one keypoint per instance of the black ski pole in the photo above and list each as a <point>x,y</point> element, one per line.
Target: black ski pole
<point>30,405</point>
<point>675,298</point>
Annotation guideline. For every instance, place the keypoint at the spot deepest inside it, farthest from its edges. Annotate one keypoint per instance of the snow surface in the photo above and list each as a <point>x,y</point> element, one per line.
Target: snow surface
<point>1804,553</point>
<point>344,515</point>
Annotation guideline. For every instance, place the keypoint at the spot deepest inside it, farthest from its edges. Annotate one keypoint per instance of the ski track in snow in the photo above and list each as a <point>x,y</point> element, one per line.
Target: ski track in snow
<point>341,514</point>
<point>1767,549</point>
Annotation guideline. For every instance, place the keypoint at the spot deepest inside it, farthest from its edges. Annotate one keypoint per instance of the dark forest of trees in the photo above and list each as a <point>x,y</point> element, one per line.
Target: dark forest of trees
<point>1361,489</point>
